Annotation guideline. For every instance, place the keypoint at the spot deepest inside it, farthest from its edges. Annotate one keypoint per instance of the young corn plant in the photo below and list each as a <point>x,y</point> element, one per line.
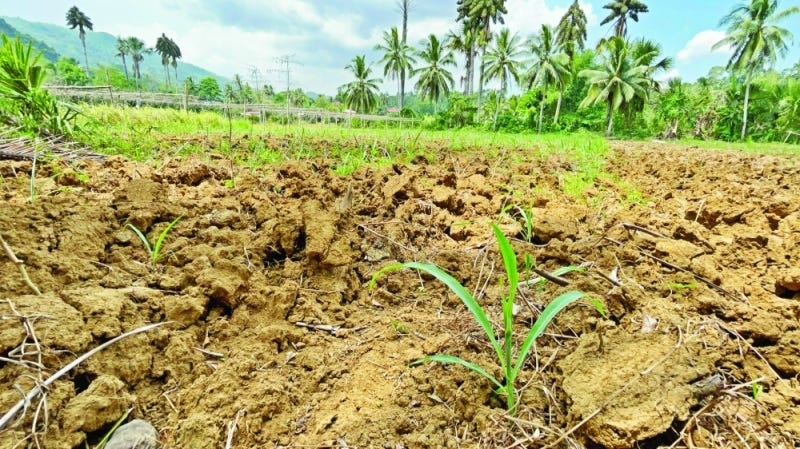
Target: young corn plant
<point>154,251</point>
<point>510,362</point>
<point>527,223</point>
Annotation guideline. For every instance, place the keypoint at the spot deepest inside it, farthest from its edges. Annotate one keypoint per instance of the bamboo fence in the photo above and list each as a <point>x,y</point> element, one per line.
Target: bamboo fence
<point>107,95</point>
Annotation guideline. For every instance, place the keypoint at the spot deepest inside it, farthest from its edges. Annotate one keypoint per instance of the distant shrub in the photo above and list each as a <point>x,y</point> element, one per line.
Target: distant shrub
<point>25,104</point>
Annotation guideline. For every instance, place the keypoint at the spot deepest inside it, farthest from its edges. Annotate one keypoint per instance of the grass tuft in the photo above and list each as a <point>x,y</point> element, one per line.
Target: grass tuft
<point>154,251</point>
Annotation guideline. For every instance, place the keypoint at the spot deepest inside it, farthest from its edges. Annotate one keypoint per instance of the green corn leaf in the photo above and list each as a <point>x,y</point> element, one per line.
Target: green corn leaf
<point>110,433</point>
<point>541,323</point>
<point>142,238</point>
<point>445,358</point>
<point>509,259</point>
<point>454,286</point>
<point>568,269</point>
<point>510,263</point>
<point>599,306</point>
<point>155,255</point>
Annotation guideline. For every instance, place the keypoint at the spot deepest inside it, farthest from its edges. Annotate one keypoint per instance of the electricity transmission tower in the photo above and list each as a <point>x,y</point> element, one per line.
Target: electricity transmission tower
<point>286,63</point>
<point>255,77</point>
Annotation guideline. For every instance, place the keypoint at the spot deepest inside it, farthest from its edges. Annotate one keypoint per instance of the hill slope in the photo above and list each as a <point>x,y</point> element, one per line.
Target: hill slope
<point>101,48</point>
<point>47,52</point>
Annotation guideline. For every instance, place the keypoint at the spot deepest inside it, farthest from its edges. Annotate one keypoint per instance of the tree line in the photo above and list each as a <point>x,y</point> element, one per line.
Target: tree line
<point>578,86</point>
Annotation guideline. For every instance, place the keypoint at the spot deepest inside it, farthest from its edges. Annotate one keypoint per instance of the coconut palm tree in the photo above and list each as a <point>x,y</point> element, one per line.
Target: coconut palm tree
<point>163,49</point>
<point>77,19</point>
<point>617,80</point>
<point>549,67</point>
<point>122,50</point>
<point>571,30</point>
<point>502,62</point>
<point>503,58</point>
<point>361,94</point>
<point>756,39</point>
<point>621,11</point>
<point>170,52</point>
<point>136,50</point>
<point>435,80</point>
<point>464,42</point>
<point>481,14</point>
<point>397,60</point>
<point>174,55</point>
<point>648,53</point>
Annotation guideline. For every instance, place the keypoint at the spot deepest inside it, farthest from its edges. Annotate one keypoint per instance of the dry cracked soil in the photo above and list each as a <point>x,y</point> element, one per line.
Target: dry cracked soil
<point>695,255</point>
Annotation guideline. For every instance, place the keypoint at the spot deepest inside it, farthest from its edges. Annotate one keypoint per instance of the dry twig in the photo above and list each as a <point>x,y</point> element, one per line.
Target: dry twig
<point>41,388</point>
<point>232,428</point>
<point>10,253</point>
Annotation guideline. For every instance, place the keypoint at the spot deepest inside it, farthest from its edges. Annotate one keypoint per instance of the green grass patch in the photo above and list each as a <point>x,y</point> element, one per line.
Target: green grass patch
<point>148,134</point>
<point>769,148</point>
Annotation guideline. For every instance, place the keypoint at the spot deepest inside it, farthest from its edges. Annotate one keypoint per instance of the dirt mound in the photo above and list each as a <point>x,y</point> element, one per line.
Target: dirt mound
<point>265,280</point>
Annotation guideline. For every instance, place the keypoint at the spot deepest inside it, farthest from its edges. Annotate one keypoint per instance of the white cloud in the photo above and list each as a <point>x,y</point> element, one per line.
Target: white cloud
<point>529,15</point>
<point>419,30</point>
<point>668,75</point>
<point>701,45</point>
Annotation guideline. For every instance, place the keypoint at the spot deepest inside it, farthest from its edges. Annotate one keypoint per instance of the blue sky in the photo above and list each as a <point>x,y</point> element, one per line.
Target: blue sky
<point>238,36</point>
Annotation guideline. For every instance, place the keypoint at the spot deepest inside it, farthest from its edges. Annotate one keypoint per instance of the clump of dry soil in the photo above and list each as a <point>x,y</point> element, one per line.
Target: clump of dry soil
<point>700,282</point>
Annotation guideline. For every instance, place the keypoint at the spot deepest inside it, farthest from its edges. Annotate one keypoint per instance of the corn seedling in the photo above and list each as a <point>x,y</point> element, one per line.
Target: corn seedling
<point>527,223</point>
<point>757,389</point>
<point>510,363</point>
<point>154,251</point>
<point>107,436</point>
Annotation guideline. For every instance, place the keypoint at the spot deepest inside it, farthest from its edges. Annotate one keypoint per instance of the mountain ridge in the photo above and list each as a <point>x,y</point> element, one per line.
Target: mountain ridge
<point>101,49</point>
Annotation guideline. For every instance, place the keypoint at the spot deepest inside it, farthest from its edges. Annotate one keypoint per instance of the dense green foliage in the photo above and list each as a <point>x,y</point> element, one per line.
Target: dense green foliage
<point>68,72</point>
<point>615,87</point>
<point>757,41</point>
<point>24,104</point>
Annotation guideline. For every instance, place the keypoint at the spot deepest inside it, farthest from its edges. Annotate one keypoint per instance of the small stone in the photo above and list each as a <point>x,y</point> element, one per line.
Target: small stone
<point>789,282</point>
<point>137,434</point>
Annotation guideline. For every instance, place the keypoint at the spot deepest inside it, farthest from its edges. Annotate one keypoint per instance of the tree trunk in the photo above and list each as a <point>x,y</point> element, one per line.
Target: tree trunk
<point>470,70</point>
<point>746,102</point>
<point>404,4</point>
<point>402,88</point>
<point>496,113</point>
<point>166,72</point>
<point>136,75</point>
<point>541,114</point>
<point>558,107</point>
<point>480,83</point>
<point>610,113</point>
<point>541,106</point>
<point>500,97</point>
<point>400,94</point>
<point>125,66</point>
<point>85,55</point>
